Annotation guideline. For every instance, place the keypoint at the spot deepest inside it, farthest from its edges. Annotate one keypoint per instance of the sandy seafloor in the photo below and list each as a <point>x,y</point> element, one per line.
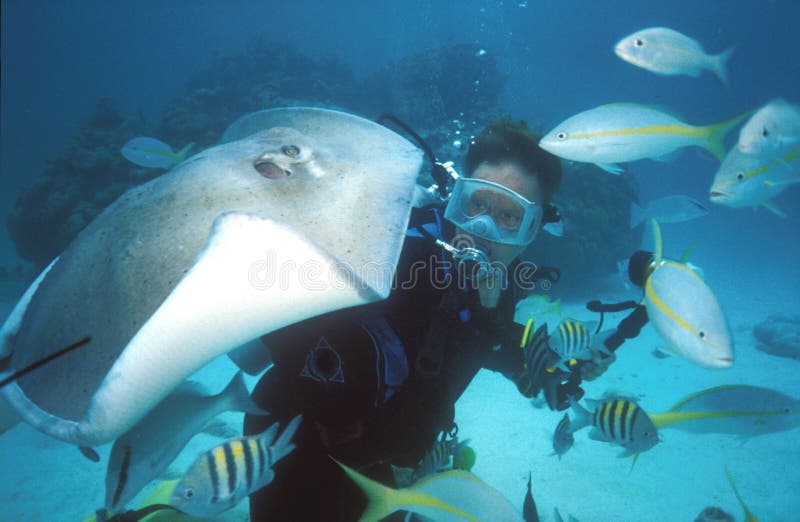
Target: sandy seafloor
<point>43,479</point>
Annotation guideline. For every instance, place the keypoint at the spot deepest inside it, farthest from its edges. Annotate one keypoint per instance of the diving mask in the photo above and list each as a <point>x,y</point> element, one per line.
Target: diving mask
<point>493,212</point>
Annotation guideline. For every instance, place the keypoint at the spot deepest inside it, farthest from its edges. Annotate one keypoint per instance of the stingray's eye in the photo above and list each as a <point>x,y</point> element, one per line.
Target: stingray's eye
<point>188,493</point>
<point>638,42</point>
<point>765,132</point>
<point>740,176</point>
<point>701,334</point>
<point>561,135</point>
<point>291,150</point>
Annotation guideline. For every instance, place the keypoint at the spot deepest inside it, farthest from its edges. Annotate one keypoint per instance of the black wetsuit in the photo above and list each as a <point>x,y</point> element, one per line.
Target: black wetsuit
<point>339,373</point>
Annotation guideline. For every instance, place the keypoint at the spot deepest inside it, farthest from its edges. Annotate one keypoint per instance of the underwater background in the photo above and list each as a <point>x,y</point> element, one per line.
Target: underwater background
<point>79,79</point>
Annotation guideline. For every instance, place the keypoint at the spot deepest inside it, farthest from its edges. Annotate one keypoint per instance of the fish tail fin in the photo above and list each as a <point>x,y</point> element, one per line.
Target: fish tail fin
<point>636,214</point>
<point>237,397</point>
<point>715,134</point>
<point>181,154</point>
<point>747,512</point>
<point>719,65</point>
<point>582,416</point>
<point>382,500</point>
<point>283,445</point>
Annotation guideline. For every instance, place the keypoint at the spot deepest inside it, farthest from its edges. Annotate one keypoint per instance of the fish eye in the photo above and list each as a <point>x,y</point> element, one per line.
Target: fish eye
<point>638,42</point>
<point>765,132</point>
<point>702,334</point>
<point>290,150</point>
<point>561,135</point>
<point>740,176</point>
<point>188,493</point>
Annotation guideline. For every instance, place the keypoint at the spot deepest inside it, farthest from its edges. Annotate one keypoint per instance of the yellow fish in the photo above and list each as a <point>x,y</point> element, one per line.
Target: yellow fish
<point>685,312</point>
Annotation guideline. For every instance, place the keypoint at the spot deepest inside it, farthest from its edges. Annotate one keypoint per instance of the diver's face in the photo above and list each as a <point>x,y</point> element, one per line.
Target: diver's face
<point>512,176</point>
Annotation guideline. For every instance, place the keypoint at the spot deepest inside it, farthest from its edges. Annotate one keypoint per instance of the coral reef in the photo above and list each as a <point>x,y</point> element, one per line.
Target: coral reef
<point>779,335</point>
<point>595,208</point>
<point>442,93</point>
<point>76,186</point>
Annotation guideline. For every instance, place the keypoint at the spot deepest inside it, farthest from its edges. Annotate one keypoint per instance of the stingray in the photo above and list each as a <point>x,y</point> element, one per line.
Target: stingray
<point>302,213</point>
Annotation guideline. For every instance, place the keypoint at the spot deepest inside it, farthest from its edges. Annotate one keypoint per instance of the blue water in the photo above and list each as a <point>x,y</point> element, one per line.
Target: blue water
<point>59,58</point>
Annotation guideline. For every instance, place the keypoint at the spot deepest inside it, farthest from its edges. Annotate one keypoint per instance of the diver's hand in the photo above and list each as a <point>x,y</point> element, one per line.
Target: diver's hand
<point>597,366</point>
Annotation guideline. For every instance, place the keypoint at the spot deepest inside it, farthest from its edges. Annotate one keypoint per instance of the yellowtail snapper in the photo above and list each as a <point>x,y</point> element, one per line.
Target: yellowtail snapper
<point>753,180</point>
<point>562,438</point>
<point>224,475</point>
<point>622,132</point>
<point>685,312</point>
<point>454,495</point>
<point>618,421</point>
<point>771,130</point>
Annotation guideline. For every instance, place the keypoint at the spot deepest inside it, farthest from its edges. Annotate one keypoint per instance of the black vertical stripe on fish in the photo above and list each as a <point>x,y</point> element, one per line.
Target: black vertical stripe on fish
<point>213,475</point>
<point>633,421</point>
<point>248,463</point>
<point>123,474</point>
<point>612,411</point>
<point>624,419</point>
<point>230,467</point>
<point>262,458</point>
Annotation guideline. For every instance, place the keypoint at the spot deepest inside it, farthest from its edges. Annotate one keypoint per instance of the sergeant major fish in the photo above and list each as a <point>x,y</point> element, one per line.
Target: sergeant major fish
<point>573,340</point>
<point>622,132</point>
<point>618,421</point>
<point>666,51</point>
<point>221,477</point>
<point>142,453</point>
<point>562,438</point>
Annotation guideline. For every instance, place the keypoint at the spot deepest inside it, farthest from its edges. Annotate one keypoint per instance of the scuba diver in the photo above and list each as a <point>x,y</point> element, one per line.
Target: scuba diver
<point>377,384</point>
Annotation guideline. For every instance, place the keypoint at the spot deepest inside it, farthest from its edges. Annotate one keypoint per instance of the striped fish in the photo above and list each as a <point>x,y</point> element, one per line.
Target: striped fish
<point>562,438</point>
<point>572,340</point>
<point>622,132</point>
<point>224,475</point>
<point>618,421</point>
<point>537,357</point>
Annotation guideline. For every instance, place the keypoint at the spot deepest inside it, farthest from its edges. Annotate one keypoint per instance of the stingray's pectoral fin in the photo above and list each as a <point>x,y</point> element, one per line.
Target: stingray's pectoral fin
<point>254,276</point>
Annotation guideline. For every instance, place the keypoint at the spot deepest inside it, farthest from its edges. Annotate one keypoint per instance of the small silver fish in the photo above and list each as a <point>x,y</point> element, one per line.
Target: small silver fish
<point>562,438</point>
<point>665,51</point>
<point>669,209</point>
<point>148,448</point>
<point>221,477</point>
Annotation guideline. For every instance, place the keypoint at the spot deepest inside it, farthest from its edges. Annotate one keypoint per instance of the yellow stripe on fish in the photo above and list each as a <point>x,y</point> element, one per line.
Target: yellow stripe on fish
<point>656,300</point>
<point>676,130</point>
